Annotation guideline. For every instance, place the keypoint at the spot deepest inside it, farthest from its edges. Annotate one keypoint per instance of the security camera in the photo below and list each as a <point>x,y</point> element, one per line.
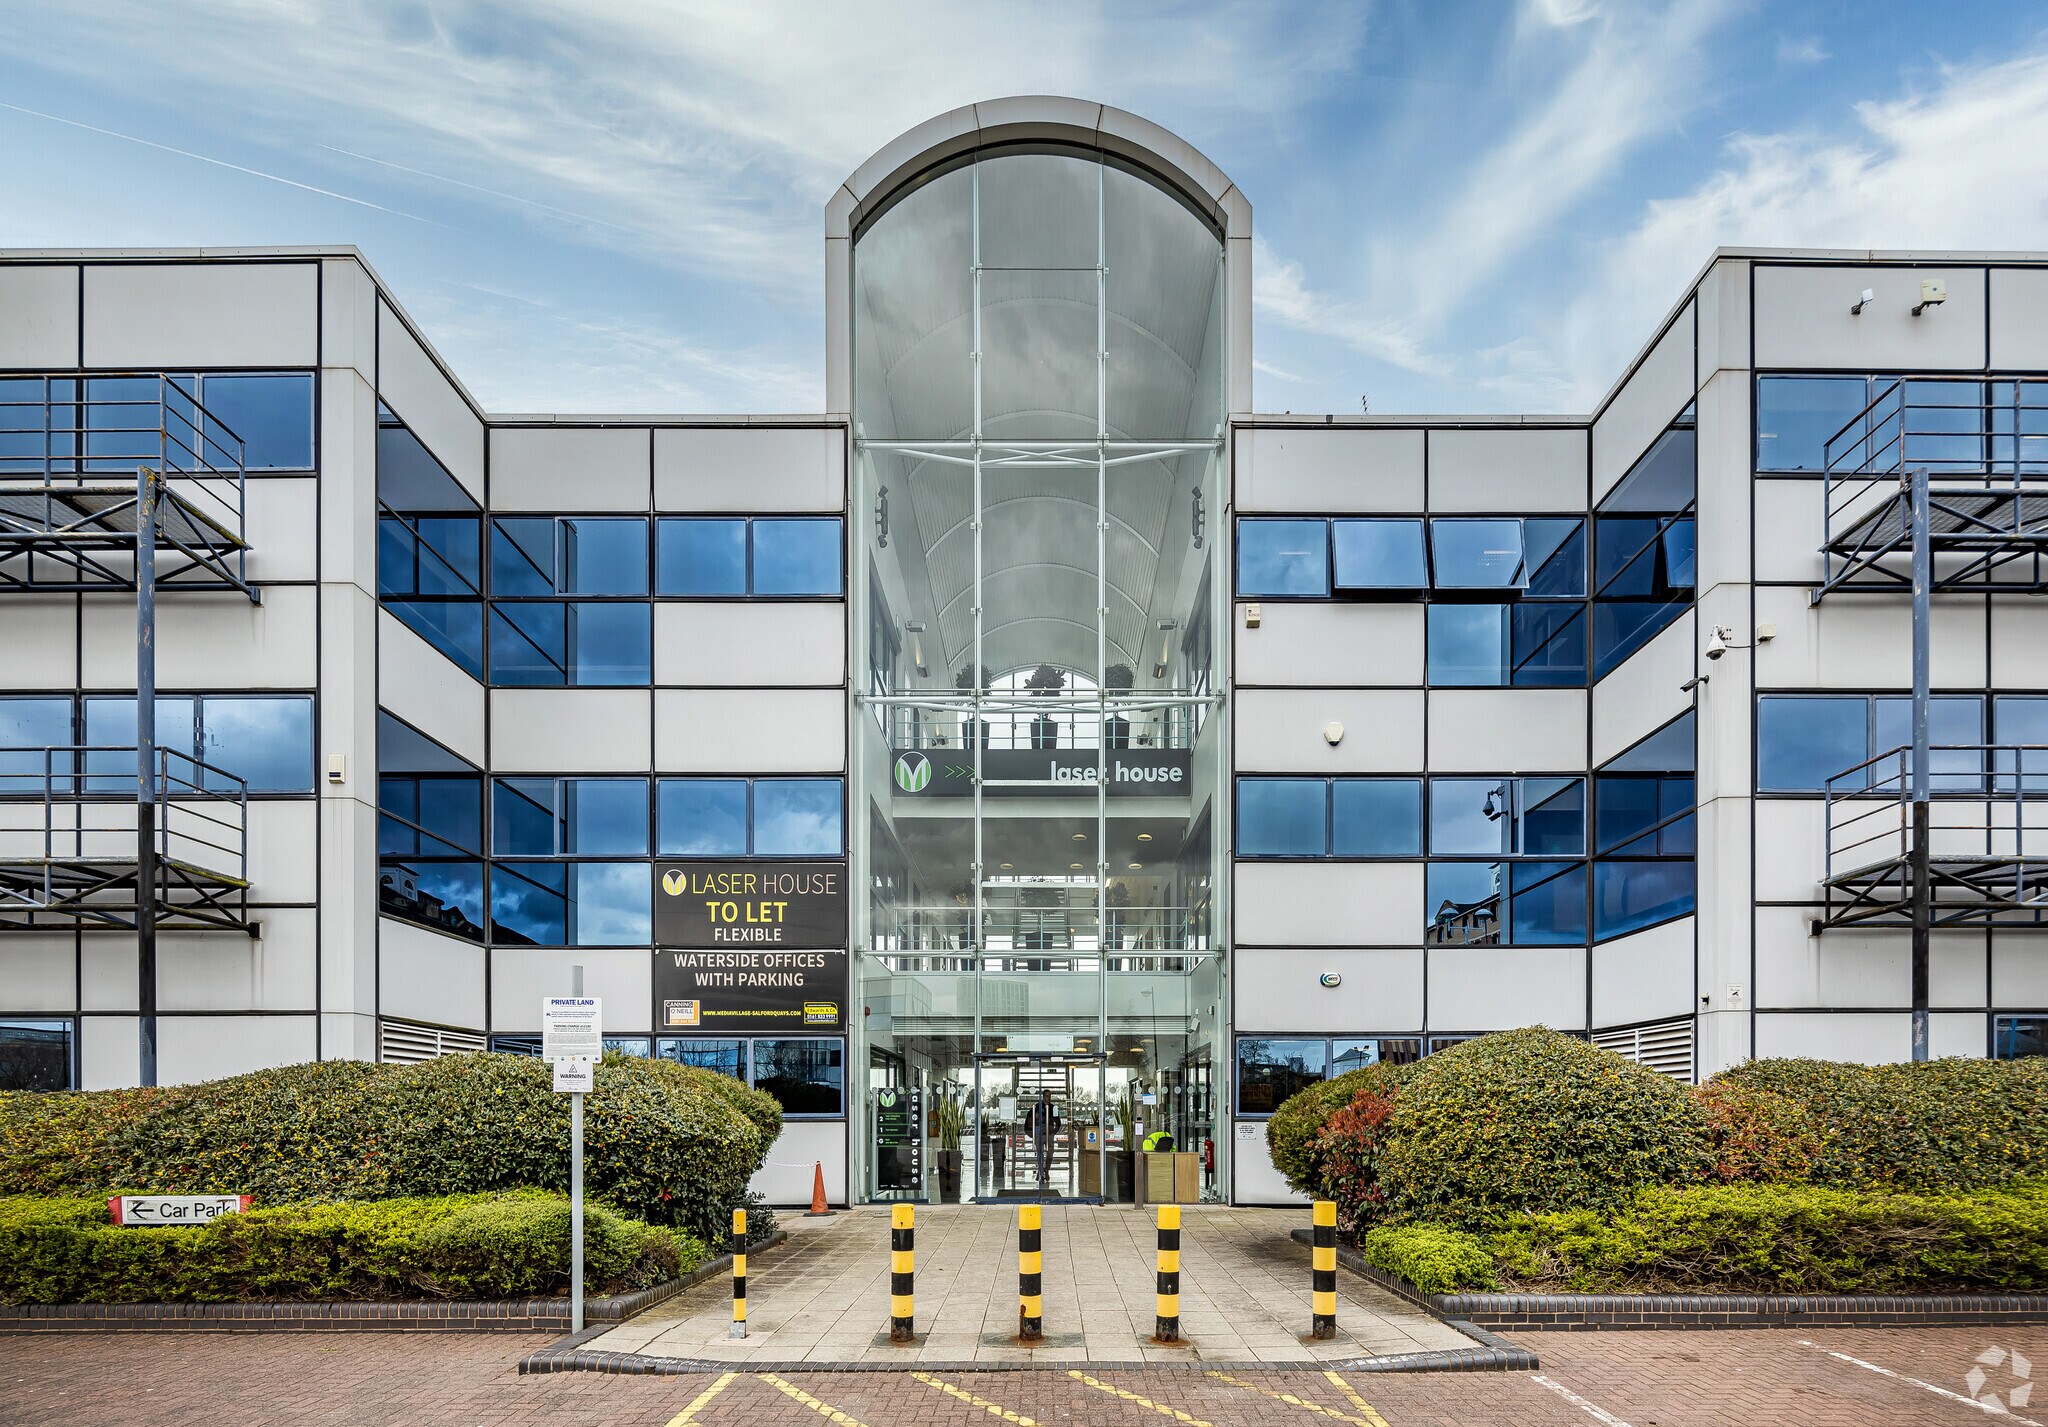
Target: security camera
<point>1717,642</point>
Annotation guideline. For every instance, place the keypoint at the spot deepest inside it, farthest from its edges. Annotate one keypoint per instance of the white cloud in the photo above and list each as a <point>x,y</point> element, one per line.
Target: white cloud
<point>1963,167</point>
<point>1280,291</point>
<point>1801,50</point>
<point>1563,13</point>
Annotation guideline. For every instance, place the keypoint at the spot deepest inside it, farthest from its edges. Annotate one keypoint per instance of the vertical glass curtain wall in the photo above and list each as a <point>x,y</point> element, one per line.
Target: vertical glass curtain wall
<point>1038,417</point>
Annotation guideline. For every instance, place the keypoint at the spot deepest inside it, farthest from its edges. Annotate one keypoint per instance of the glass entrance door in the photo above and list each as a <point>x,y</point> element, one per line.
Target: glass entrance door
<point>1039,1119</point>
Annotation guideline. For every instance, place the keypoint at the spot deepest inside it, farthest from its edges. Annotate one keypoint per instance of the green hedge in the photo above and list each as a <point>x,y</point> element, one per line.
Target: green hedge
<point>1788,1239</point>
<point>1938,1125</point>
<point>1533,1120</point>
<point>1291,1132</point>
<point>1433,1258</point>
<point>458,1246</point>
<point>666,1143</point>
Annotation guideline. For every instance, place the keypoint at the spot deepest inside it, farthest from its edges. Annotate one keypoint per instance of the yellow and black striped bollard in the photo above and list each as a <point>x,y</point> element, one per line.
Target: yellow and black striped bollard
<point>1167,1327</point>
<point>739,1274</point>
<point>902,1267</point>
<point>1030,1275</point>
<point>1323,1270</point>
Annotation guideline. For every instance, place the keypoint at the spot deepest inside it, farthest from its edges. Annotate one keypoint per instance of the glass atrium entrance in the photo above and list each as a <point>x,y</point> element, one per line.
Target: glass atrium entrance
<point>1037,736</point>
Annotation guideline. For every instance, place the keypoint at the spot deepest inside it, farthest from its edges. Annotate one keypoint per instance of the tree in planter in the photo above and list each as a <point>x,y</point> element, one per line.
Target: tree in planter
<point>970,726</point>
<point>1118,679</point>
<point>950,1113</point>
<point>1045,681</point>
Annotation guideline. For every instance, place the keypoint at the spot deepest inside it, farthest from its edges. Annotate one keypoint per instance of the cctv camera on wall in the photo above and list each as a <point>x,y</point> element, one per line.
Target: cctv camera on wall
<point>1717,643</point>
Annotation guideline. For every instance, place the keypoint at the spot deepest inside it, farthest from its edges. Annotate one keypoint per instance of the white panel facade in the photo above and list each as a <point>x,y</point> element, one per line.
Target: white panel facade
<point>803,1148</point>
<point>1864,644</point>
<point>1790,525</point>
<point>173,315</point>
<point>109,1055</point>
<point>413,385</point>
<point>194,1048</point>
<point>38,316</point>
<point>750,731</point>
<point>211,641</point>
<point>571,469</point>
<point>39,641</point>
<point>283,527</point>
<point>1328,470</point>
<point>1328,904</point>
<point>2019,319</point>
<point>750,468</point>
<point>1491,988</point>
<point>1380,989</point>
<point>1256,1181</point>
<point>1803,319</point>
<point>1317,643</point>
<point>1643,693</point>
<point>1647,401</point>
<point>747,644</point>
<point>570,730</point>
<point>1512,469</point>
<point>202,971</point>
<point>1288,731</point>
<point>422,686</point>
<point>1645,977</point>
<point>1870,1037</point>
<point>524,976</point>
<point>1507,730</point>
<point>42,972</point>
<point>424,976</point>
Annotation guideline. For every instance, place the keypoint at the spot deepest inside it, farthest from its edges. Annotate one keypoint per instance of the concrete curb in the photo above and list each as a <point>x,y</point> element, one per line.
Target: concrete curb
<point>517,1315</point>
<point>1552,1312</point>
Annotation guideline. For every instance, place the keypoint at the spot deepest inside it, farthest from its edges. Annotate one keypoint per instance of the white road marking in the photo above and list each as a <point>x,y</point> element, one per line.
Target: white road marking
<point>1989,1409</point>
<point>1599,1414</point>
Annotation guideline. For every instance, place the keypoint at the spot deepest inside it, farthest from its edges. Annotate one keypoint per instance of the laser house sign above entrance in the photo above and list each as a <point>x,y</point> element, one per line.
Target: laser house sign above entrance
<point>750,946</point>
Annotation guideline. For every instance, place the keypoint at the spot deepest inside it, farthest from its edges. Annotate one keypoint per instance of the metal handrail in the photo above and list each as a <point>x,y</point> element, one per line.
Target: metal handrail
<point>1018,724</point>
<point>950,927</point>
<point>1984,791</point>
<point>1987,442</point>
<point>198,805</point>
<point>83,440</point>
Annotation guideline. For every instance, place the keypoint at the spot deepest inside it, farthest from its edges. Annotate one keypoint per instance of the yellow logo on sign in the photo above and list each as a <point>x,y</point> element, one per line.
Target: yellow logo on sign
<point>672,883</point>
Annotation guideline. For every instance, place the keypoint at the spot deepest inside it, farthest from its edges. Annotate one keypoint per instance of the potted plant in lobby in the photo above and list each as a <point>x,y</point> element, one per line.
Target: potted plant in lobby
<point>970,726</point>
<point>1045,681</point>
<point>1116,730</point>
<point>951,1113</point>
<point>1126,1160</point>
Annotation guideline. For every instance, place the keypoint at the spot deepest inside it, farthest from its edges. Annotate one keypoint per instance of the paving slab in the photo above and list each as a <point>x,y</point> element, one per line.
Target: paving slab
<point>823,1296</point>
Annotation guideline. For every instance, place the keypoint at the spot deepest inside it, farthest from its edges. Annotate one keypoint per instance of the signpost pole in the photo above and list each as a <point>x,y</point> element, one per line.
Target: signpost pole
<point>576,1187</point>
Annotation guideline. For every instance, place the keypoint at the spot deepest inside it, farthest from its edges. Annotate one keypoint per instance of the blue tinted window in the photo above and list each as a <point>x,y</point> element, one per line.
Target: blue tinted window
<point>1283,557</point>
<point>530,903</point>
<point>701,557</point>
<point>2019,719</point>
<point>1547,903</point>
<point>446,811</point>
<point>1378,555</point>
<point>529,644</point>
<point>448,896</point>
<point>1282,817</point>
<point>572,903</point>
<point>796,557</point>
<point>807,1077</point>
<point>611,644</point>
<point>603,556</point>
<point>272,413</point>
<point>1547,644</point>
<point>523,557</point>
<point>409,479</point>
<point>604,817</point>
<point>31,723</point>
<point>1551,817</point>
<point>1271,1071</point>
<point>1463,904</point>
<point>724,1056</point>
<point>1478,554</point>
<point>110,725</point>
<point>1795,416</point>
<point>1801,742</point>
<point>266,742</point>
<point>437,555</point>
<point>799,817</point>
<point>1375,817</point>
<point>703,817</point>
<point>1487,817</point>
<point>1468,644</point>
<point>2015,1037</point>
<point>1635,812</point>
<point>1555,551</point>
<point>1951,718</point>
<point>457,630</point>
<point>523,818</point>
<point>1628,896</point>
<point>35,1054</point>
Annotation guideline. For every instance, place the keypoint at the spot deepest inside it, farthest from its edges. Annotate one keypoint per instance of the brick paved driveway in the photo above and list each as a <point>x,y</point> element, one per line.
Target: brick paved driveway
<point>1748,1379</point>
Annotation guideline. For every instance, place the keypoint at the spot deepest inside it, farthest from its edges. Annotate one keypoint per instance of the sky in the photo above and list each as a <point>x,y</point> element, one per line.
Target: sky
<point>617,205</point>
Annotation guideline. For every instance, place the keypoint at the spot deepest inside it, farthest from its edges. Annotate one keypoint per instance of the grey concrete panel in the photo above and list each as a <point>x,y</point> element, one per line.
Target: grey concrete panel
<point>1647,976</point>
<point>1647,402</point>
<point>423,686</point>
<point>1328,470</point>
<point>1311,904</point>
<point>742,643</point>
<point>171,315</point>
<point>1313,643</point>
<point>750,730</point>
<point>1492,988</point>
<point>1803,319</point>
<point>195,1048</point>
<point>414,386</point>
<point>439,980</point>
<point>570,730</point>
<point>1281,990</point>
<point>1507,730</point>
<point>571,469</point>
<point>1286,731</point>
<point>38,316</point>
<point>1508,469</point>
<point>796,469</point>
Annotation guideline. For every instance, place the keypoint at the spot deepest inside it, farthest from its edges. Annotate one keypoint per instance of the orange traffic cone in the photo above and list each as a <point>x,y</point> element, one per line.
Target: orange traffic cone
<point>818,1209</point>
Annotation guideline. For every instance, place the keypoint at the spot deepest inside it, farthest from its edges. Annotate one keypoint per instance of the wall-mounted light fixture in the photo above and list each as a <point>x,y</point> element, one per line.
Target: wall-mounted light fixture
<point>1166,628</point>
<point>1933,292</point>
<point>1201,518</point>
<point>1333,733</point>
<point>1251,616</point>
<point>1856,307</point>
<point>915,629</point>
<point>337,767</point>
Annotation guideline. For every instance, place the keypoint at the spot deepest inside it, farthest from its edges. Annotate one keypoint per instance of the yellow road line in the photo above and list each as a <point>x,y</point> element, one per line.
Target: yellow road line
<point>1356,1401</point>
<point>983,1403</point>
<point>1174,1412</point>
<point>1316,1407</point>
<point>823,1409</point>
<point>688,1414</point>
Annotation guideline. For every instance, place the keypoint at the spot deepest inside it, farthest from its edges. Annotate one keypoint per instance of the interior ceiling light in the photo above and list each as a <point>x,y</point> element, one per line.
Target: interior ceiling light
<point>1137,866</point>
<point>1073,867</point>
<point>1007,866</point>
<point>1080,837</point>
<point>1144,837</point>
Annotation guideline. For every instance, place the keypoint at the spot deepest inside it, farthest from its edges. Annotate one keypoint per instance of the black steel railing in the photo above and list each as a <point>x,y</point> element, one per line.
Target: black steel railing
<point>1025,931</point>
<point>1987,801</point>
<point>77,804</point>
<point>1017,723</point>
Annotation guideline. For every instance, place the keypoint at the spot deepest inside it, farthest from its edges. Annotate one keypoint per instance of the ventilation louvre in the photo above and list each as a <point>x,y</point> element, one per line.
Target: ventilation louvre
<point>1665,1046</point>
<point>403,1043</point>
